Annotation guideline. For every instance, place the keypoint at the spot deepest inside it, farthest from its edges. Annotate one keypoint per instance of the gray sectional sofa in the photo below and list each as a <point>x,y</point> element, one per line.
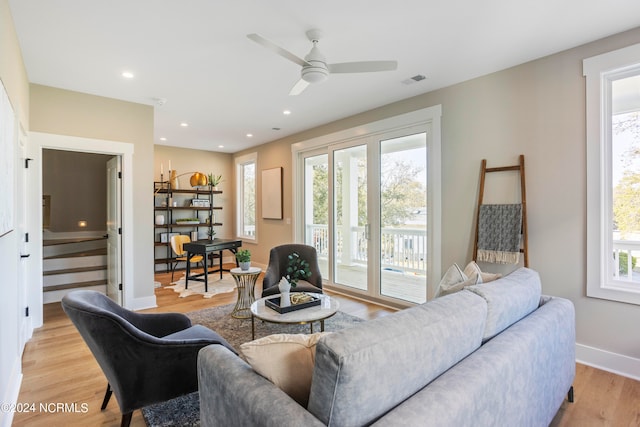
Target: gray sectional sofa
<point>494,354</point>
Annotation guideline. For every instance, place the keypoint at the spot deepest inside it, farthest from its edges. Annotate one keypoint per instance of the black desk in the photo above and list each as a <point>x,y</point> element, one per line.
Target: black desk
<point>204,248</point>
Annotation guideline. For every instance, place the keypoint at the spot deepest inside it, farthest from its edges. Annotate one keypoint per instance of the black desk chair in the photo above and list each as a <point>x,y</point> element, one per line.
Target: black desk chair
<point>147,358</point>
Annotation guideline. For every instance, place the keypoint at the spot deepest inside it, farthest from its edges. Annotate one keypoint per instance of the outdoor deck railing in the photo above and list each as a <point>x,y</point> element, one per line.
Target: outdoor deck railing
<point>403,249</point>
<point>632,249</point>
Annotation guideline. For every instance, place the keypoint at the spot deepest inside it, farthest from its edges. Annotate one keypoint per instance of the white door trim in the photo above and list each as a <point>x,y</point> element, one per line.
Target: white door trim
<point>40,141</point>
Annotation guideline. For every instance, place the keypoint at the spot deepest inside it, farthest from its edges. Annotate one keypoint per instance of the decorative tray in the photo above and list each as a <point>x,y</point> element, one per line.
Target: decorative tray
<point>187,222</point>
<point>274,304</point>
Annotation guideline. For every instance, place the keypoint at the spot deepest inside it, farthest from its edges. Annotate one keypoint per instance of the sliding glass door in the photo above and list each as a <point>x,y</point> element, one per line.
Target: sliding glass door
<point>364,209</point>
<point>403,217</point>
<point>350,217</point>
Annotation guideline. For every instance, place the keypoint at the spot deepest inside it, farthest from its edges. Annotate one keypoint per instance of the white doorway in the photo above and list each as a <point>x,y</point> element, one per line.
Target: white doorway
<point>123,151</point>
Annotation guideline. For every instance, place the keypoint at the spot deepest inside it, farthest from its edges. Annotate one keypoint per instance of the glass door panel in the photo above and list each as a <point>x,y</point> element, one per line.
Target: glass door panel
<point>403,218</point>
<point>316,208</point>
<point>350,216</point>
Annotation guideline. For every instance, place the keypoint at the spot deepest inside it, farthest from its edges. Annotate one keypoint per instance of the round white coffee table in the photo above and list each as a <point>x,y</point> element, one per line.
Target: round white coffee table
<point>327,308</point>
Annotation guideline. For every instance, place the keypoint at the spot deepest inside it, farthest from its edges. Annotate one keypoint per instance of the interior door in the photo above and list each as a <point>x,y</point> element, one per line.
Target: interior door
<point>114,227</point>
<point>25,246</point>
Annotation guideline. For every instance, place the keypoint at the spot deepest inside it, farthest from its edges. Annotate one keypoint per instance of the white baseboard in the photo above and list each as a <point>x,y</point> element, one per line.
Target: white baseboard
<point>143,303</point>
<point>11,393</point>
<point>608,361</point>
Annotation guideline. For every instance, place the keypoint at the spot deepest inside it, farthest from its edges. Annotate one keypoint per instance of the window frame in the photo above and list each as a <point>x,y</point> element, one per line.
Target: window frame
<point>599,72</point>
<point>240,163</point>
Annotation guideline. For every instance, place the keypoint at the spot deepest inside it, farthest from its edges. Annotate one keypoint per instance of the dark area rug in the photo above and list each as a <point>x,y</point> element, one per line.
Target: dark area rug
<point>185,410</point>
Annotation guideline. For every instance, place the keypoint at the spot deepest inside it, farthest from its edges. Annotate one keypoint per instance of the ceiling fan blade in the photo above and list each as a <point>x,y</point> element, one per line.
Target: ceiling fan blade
<point>277,49</point>
<point>298,87</point>
<point>362,67</point>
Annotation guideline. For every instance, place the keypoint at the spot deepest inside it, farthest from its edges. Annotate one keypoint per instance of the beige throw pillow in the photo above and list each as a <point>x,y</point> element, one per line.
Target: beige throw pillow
<point>286,360</point>
<point>455,279</point>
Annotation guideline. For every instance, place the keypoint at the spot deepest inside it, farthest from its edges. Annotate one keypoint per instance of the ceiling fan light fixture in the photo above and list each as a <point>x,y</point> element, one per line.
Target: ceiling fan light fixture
<point>315,74</point>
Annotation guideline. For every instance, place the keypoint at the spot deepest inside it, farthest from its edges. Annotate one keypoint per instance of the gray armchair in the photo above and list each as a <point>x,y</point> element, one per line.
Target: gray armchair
<point>146,358</point>
<point>278,266</point>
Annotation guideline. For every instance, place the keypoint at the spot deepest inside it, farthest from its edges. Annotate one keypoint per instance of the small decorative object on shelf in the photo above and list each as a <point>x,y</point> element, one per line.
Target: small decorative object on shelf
<point>244,259</point>
<point>173,179</point>
<point>211,233</point>
<point>297,268</point>
<point>159,219</point>
<point>186,221</point>
<point>214,181</point>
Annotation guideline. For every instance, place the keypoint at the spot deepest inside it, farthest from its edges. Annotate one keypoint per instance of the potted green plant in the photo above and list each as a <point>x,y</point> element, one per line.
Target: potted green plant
<point>244,259</point>
<point>211,233</point>
<point>214,181</point>
<point>297,269</point>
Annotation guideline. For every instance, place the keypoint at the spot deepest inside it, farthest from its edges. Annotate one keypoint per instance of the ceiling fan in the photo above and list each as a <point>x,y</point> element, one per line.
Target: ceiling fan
<point>314,66</point>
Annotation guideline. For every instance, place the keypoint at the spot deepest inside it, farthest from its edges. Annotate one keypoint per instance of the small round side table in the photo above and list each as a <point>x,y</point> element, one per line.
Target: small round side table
<point>246,282</point>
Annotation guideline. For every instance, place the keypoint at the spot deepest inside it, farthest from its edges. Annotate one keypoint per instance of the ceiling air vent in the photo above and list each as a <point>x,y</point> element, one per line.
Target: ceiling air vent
<point>414,79</point>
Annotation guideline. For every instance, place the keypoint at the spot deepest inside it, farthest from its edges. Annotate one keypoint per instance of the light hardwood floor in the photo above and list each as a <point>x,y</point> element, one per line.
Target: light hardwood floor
<point>59,369</point>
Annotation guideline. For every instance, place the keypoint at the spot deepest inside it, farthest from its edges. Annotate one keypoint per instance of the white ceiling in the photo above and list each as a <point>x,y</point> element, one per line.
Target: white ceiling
<point>195,54</point>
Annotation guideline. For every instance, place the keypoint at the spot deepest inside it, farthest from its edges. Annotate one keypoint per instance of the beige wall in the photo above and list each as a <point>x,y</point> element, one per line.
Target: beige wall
<point>536,109</point>
<point>64,112</point>
<point>77,186</point>
<point>186,161</point>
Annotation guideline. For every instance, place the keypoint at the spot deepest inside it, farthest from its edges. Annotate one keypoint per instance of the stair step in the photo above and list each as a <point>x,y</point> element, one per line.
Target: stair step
<point>91,252</point>
<point>75,270</point>
<point>74,275</point>
<point>74,285</point>
<point>51,242</point>
<point>60,263</point>
<point>58,247</point>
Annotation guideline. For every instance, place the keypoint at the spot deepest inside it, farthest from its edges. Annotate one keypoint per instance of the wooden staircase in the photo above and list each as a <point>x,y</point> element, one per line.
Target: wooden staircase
<point>70,264</point>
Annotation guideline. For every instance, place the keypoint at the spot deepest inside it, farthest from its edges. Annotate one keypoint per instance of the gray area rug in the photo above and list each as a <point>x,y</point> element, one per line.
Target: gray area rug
<point>185,410</point>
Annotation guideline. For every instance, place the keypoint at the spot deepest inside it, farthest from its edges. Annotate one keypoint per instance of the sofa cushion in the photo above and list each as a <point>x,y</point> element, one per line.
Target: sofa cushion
<point>286,360</point>
<point>364,371</point>
<point>509,299</point>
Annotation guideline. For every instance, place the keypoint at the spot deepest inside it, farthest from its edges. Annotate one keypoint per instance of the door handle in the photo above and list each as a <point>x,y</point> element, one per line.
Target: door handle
<point>25,256</point>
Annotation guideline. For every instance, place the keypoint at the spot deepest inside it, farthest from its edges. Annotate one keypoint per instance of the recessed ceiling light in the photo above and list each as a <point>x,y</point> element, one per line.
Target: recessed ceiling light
<point>127,74</point>
<point>220,146</point>
<point>249,135</point>
<point>286,112</point>
<point>162,138</point>
<point>184,124</point>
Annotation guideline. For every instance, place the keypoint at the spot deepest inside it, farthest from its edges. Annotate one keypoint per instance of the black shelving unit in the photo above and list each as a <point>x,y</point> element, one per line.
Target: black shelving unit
<point>175,204</point>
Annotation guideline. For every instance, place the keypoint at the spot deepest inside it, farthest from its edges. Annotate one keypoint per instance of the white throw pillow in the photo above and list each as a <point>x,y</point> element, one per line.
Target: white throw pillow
<point>472,271</point>
<point>454,280</point>
<point>286,360</point>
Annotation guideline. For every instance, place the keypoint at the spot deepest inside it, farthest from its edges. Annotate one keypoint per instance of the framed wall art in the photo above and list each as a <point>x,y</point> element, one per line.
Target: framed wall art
<point>272,193</point>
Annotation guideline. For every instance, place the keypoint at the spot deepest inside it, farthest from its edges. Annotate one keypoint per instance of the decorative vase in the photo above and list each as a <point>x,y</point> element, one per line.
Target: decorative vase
<point>244,266</point>
<point>159,219</point>
<point>284,286</point>
<point>173,180</point>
